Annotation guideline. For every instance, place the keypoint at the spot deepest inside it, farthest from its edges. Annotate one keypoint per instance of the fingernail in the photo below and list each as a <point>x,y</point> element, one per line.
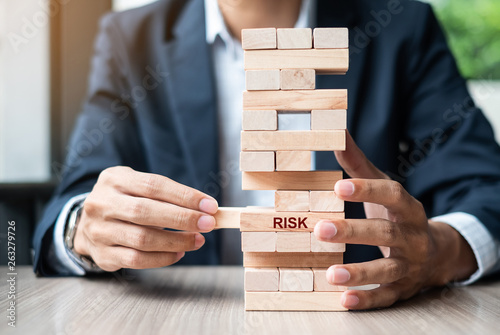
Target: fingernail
<point>206,223</point>
<point>209,206</point>
<point>349,300</point>
<point>337,276</point>
<point>180,255</point>
<point>344,188</point>
<point>325,230</point>
<point>199,240</point>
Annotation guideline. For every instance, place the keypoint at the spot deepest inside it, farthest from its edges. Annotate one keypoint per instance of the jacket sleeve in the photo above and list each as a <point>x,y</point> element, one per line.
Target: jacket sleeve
<point>105,135</point>
<point>453,161</point>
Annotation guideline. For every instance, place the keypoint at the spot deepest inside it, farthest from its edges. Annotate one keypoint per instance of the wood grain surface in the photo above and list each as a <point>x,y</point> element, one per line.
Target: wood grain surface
<point>296,100</point>
<point>314,140</point>
<point>210,300</point>
<point>293,301</point>
<point>325,61</point>
<point>288,180</point>
<point>265,219</point>
<point>228,217</point>
<point>291,259</point>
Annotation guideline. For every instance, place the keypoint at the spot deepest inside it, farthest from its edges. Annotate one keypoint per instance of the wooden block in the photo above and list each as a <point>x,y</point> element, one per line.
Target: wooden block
<point>267,219</point>
<point>256,241</point>
<point>320,246</point>
<point>262,279</point>
<point>260,120</point>
<point>298,79</point>
<point>228,217</point>
<point>297,180</point>
<point>328,119</point>
<point>326,201</point>
<point>296,280</point>
<point>257,161</point>
<point>293,241</point>
<point>321,284</point>
<point>293,161</point>
<point>290,140</point>
<point>324,61</point>
<point>294,38</point>
<point>295,100</point>
<point>264,38</point>
<point>258,80</point>
<point>331,38</point>
<point>293,301</point>
<point>291,259</point>
<point>291,201</point>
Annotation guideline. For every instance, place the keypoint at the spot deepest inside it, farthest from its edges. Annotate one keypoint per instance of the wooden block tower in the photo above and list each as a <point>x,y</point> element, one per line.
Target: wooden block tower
<point>284,264</point>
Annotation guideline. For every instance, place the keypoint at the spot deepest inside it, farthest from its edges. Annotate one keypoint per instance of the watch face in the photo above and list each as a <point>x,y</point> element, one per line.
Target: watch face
<point>69,234</point>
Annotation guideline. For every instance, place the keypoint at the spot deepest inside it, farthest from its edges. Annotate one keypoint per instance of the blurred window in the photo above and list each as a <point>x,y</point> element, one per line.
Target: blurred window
<point>473,30</point>
<point>24,91</point>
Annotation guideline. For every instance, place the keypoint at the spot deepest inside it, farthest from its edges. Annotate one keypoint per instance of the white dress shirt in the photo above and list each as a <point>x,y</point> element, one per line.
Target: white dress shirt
<point>230,81</point>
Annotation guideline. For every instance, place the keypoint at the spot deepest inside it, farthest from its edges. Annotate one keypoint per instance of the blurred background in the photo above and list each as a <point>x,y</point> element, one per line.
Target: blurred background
<point>45,50</point>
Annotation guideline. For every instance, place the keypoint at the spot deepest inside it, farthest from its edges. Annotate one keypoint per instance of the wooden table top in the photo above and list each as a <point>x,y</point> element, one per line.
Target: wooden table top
<point>209,300</point>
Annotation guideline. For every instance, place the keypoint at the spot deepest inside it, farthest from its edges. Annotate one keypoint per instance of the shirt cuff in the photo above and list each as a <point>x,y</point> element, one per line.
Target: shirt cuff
<point>482,243</point>
<point>60,251</point>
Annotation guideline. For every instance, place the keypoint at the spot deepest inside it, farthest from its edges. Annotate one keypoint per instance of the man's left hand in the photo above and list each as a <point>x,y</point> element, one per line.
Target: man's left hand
<point>418,253</point>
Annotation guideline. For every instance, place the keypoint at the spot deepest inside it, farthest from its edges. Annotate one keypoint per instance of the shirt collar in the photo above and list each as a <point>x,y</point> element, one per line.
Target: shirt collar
<point>215,25</point>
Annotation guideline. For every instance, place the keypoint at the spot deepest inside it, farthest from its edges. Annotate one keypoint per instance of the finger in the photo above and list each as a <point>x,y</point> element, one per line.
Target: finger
<point>153,186</point>
<point>377,232</point>
<point>379,271</point>
<point>114,258</point>
<point>147,212</point>
<point>384,296</point>
<point>355,163</point>
<point>148,239</point>
<point>387,193</point>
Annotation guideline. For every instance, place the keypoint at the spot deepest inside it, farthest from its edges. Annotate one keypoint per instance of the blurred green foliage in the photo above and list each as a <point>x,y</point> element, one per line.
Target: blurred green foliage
<point>473,30</point>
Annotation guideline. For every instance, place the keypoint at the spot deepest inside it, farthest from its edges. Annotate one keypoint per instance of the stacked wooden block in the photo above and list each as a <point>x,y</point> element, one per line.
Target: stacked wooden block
<point>284,264</point>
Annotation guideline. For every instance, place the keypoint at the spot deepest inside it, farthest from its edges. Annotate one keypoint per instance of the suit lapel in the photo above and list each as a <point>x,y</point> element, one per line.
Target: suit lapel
<point>190,91</point>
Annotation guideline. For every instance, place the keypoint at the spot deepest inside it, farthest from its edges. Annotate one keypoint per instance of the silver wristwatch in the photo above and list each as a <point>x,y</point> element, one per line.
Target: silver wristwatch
<point>69,238</point>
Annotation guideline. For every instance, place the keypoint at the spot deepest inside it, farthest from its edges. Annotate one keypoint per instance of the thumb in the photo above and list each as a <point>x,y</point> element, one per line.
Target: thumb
<point>355,163</point>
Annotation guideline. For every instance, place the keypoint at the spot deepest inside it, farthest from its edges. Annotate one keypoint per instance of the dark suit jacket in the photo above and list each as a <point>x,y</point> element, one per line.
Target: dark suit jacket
<point>151,105</point>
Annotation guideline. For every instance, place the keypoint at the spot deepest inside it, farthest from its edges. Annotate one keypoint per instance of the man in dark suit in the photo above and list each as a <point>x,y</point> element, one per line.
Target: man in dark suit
<point>422,204</point>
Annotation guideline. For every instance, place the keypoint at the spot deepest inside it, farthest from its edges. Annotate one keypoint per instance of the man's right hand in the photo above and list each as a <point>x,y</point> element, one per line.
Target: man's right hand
<point>122,220</point>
